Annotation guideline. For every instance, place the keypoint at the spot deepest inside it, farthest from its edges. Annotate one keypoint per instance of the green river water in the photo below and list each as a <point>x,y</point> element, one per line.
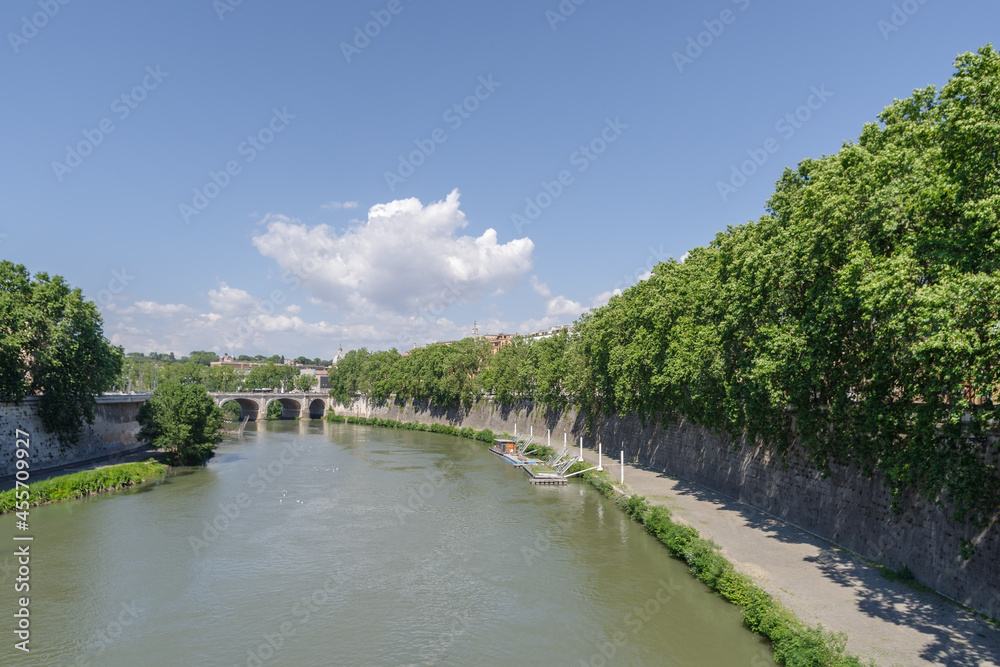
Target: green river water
<point>343,545</point>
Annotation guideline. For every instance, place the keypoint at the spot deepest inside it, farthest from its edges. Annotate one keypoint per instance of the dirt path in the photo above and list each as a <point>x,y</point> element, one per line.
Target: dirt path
<point>887,622</point>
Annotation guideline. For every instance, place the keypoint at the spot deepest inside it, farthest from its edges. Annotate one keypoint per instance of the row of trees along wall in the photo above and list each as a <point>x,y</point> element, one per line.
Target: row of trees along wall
<point>849,338</point>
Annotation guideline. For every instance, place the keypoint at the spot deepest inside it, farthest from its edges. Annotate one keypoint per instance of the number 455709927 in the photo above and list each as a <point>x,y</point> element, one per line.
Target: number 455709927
<point>22,493</point>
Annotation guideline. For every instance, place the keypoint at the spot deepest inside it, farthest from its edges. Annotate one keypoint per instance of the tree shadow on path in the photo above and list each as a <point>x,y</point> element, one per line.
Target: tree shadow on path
<point>955,636</point>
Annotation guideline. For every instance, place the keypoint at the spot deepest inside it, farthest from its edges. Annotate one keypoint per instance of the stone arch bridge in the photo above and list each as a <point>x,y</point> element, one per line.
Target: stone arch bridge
<point>253,404</point>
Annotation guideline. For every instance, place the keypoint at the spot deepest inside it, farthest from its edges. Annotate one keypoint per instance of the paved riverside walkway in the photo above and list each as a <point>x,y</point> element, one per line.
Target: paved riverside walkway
<point>890,623</point>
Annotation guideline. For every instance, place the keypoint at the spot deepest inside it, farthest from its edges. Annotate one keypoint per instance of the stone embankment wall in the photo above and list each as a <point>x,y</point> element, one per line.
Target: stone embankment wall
<point>846,508</point>
<point>114,431</point>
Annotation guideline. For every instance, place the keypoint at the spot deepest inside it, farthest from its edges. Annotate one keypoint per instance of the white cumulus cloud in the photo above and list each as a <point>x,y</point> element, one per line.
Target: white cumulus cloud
<point>153,309</point>
<point>406,258</point>
<point>230,300</point>
<point>559,309</point>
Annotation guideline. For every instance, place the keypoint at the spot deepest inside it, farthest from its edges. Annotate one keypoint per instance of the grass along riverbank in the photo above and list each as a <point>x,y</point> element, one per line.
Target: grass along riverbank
<point>81,484</point>
<point>485,435</point>
<point>794,643</point>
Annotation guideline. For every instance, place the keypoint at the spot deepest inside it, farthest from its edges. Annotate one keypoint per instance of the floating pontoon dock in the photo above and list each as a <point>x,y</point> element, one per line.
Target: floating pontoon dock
<point>515,452</point>
<point>542,474</point>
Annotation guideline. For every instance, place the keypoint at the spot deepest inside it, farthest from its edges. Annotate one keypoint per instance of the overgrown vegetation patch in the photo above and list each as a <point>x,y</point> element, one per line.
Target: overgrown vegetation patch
<point>485,435</point>
<point>81,484</point>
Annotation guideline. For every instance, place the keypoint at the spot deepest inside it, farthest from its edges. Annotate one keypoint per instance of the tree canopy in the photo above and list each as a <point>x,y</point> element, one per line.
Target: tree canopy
<point>859,316</point>
<point>53,346</point>
<point>202,357</point>
<point>182,419</point>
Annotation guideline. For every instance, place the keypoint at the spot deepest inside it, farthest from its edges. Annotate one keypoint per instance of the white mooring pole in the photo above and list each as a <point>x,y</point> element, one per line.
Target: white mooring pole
<point>599,466</point>
<point>531,431</point>
<point>623,468</point>
<point>581,447</point>
<point>548,438</point>
<point>515,429</point>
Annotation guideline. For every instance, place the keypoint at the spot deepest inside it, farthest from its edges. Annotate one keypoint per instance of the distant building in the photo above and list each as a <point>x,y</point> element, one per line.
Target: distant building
<point>499,340</point>
<point>546,333</point>
<point>229,360</point>
<point>324,380</point>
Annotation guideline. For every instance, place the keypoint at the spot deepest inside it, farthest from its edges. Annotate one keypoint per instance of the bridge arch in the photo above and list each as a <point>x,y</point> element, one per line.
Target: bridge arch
<point>290,407</point>
<point>309,405</point>
<point>317,408</point>
<point>248,407</point>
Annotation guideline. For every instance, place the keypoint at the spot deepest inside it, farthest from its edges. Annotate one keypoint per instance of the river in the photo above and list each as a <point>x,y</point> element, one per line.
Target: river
<point>309,543</point>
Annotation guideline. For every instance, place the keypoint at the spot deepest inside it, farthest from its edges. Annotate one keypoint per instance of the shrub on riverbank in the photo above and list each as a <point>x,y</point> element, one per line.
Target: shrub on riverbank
<point>184,420</point>
<point>795,644</point>
<point>78,485</point>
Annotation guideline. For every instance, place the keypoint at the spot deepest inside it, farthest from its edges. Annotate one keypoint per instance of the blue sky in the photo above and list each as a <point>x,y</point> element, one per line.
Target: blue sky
<point>264,177</point>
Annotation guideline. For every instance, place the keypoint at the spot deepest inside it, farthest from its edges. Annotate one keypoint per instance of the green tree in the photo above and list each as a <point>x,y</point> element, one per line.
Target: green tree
<point>202,357</point>
<point>305,382</point>
<point>274,410</point>
<point>381,379</point>
<point>53,346</point>
<point>185,373</point>
<point>222,378</point>
<point>184,420</point>
<point>271,376</point>
<point>347,377</point>
<point>858,317</point>
<point>231,411</point>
